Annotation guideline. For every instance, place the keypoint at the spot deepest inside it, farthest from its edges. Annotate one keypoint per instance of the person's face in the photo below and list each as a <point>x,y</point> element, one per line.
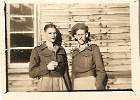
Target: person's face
<point>80,36</point>
<point>50,34</point>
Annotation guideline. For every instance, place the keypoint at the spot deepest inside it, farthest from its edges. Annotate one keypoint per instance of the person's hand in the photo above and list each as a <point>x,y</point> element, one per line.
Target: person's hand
<point>52,65</point>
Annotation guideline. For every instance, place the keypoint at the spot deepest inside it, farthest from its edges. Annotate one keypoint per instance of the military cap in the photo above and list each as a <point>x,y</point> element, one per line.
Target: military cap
<point>77,27</point>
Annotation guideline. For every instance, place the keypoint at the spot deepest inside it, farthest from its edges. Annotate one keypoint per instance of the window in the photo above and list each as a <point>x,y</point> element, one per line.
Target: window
<point>21,32</point>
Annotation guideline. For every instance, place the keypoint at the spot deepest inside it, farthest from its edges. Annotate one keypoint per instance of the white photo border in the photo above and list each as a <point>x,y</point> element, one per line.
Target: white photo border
<point>99,95</point>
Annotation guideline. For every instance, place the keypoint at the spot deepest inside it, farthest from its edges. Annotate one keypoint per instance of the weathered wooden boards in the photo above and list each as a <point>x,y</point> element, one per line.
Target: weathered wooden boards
<point>22,82</point>
<point>109,25</point>
<point>83,5</point>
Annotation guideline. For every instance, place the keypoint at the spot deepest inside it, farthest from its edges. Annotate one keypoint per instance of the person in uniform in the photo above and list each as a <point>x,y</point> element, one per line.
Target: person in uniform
<point>88,72</point>
<point>48,62</point>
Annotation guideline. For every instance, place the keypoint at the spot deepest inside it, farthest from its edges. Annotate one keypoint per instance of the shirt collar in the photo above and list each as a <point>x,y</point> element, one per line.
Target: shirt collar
<point>88,47</point>
<point>43,46</point>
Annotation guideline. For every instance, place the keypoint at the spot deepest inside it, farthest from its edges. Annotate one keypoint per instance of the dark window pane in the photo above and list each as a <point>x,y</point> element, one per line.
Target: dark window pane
<point>22,40</point>
<point>21,9</point>
<point>21,24</point>
<point>20,56</point>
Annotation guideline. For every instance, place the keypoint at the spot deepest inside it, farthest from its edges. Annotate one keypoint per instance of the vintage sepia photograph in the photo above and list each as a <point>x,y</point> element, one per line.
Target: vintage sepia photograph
<point>95,37</point>
<point>69,47</point>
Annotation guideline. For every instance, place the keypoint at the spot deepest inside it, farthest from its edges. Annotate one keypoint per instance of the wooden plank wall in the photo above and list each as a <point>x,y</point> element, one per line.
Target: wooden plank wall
<point>109,25</point>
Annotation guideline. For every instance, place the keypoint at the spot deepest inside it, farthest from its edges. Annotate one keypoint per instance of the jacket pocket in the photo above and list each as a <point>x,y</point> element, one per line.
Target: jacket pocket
<point>44,60</point>
<point>86,61</point>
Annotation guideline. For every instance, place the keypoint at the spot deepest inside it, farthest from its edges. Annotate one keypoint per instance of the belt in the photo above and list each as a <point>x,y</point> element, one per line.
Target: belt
<point>84,74</point>
<point>53,74</point>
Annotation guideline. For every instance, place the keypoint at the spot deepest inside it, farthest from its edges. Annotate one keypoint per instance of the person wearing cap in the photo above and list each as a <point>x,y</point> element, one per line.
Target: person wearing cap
<point>48,63</point>
<point>88,72</point>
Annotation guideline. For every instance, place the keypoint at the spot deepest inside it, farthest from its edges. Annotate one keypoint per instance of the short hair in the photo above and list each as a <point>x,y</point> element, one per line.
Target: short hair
<point>51,25</point>
<point>58,39</point>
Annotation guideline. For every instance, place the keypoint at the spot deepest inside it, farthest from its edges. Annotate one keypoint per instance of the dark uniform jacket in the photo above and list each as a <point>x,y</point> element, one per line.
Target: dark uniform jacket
<point>89,62</point>
<point>39,59</point>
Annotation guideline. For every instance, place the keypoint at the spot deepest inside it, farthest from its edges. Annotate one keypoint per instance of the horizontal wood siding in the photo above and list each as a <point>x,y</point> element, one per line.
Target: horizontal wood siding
<point>109,25</point>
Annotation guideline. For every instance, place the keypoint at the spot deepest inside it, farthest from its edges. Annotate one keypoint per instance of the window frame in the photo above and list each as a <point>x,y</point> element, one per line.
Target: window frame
<point>9,48</point>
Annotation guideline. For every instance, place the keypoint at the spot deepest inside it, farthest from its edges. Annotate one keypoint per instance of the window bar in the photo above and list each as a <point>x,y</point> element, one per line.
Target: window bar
<point>16,32</point>
<point>38,18</point>
<point>35,26</point>
<point>22,16</point>
<point>8,33</point>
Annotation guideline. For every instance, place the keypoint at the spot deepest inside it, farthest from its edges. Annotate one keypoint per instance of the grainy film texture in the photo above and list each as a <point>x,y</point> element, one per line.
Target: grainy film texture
<point>109,25</point>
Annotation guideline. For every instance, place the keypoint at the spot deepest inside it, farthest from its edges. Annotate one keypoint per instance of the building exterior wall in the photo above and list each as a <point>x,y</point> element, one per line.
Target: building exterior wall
<point>109,25</point>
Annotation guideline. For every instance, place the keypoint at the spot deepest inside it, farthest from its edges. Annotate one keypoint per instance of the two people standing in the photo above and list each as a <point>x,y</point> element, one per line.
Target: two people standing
<point>48,62</point>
